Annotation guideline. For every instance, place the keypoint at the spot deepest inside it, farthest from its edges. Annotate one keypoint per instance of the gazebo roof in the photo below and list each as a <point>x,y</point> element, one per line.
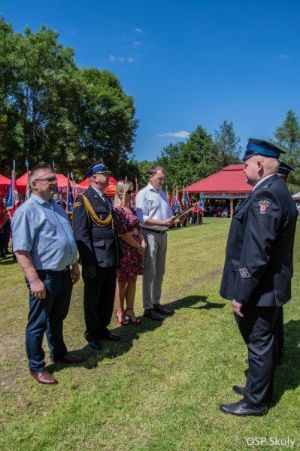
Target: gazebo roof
<point>231,179</point>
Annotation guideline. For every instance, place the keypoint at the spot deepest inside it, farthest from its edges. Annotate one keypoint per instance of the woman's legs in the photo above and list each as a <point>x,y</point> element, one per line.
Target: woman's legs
<point>130,292</point>
<point>130,296</point>
<point>119,301</point>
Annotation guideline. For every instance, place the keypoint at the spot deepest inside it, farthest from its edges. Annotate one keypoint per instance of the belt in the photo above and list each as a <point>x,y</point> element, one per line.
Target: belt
<point>154,230</point>
<point>67,268</point>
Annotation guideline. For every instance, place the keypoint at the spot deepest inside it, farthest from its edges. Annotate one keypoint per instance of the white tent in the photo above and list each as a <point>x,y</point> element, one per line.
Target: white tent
<point>296,196</point>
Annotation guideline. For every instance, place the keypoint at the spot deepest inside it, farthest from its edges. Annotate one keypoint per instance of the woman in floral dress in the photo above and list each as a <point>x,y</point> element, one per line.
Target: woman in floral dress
<point>132,249</point>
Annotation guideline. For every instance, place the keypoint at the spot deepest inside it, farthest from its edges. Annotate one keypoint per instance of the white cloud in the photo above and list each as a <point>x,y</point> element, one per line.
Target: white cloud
<point>183,134</point>
<point>282,56</point>
<point>138,30</point>
<point>121,59</point>
<point>137,43</point>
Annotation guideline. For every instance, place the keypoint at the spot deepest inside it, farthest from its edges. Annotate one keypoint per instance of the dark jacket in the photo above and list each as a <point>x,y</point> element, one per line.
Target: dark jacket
<point>259,256</point>
<point>97,245</point>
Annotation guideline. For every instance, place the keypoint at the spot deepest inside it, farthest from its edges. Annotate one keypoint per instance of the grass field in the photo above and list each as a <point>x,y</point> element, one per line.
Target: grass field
<point>160,388</point>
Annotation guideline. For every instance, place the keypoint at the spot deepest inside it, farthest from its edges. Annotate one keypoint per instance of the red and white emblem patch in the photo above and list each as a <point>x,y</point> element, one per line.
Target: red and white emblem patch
<point>264,207</point>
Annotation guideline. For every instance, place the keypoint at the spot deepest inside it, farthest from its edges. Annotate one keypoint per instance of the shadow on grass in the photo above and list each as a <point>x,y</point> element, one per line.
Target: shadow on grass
<point>9,260</point>
<point>130,333</point>
<point>287,375</point>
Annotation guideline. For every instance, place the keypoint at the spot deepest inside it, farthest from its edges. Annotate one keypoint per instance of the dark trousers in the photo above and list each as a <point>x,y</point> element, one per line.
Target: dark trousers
<point>99,296</point>
<point>279,334</point>
<point>47,315</point>
<point>257,328</point>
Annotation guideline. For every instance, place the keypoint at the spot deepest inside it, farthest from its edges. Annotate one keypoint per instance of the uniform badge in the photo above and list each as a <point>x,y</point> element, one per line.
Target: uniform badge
<point>77,204</point>
<point>244,273</point>
<point>264,207</point>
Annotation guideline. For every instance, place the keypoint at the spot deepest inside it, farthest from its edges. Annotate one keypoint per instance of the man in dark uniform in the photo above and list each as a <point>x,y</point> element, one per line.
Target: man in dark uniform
<point>258,270</point>
<point>284,170</point>
<point>96,238</point>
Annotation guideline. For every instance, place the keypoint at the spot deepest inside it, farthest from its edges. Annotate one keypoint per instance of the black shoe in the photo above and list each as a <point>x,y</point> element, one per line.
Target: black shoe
<point>243,409</point>
<point>153,314</point>
<point>238,389</point>
<point>95,344</point>
<point>107,335</point>
<point>162,310</point>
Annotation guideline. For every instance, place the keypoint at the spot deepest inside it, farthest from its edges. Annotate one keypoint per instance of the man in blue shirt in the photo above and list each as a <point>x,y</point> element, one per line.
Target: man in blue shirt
<point>45,249</point>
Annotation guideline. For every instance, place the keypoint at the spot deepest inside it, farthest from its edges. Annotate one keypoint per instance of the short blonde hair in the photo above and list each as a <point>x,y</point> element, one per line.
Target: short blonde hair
<point>122,187</point>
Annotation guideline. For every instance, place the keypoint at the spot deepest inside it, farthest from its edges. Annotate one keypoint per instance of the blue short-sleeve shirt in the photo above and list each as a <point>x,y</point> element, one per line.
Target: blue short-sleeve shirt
<point>43,229</point>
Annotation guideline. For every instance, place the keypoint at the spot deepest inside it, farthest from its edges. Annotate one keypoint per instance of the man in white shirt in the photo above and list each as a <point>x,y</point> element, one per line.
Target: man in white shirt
<point>155,215</point>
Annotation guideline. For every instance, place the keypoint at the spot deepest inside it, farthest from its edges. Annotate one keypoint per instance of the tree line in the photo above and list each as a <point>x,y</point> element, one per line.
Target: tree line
<point>51,110</point>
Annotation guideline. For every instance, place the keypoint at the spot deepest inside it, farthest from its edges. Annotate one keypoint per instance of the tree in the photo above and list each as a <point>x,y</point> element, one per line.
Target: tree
<point>287,136</point>
<point>107,122</point>
<point>227,143</point>
<point>52,111</point>
<point>187,162</point>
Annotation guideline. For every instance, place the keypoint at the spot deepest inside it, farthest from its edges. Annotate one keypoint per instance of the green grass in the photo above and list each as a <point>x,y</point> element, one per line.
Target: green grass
<point>160,389</point>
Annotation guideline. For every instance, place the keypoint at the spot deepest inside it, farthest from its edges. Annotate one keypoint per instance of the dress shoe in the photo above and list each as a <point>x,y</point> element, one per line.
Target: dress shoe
<point>95,344</point>
<point>162,310</point>
<point>68,358</point>
<point>238,389</point>
<point>153,314</point>
<point>43,377</point>
<point>243,409</point>
<point>107,335</point>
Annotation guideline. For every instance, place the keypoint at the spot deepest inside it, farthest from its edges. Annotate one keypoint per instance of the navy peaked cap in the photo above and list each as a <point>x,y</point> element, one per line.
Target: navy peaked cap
<point>284,168</point>
<point>98,168</point>
<point>261,147</point>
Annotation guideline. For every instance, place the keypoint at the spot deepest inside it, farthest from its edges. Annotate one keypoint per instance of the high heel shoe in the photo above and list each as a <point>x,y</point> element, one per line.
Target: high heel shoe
<point>121,318</point>
<point>132,318</point>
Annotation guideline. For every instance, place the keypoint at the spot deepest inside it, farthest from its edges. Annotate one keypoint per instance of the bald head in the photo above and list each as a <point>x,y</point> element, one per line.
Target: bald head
<point>258,167</point>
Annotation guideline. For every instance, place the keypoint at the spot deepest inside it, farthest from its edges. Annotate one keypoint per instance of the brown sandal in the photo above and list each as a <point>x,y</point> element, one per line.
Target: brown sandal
<point>132,318</point>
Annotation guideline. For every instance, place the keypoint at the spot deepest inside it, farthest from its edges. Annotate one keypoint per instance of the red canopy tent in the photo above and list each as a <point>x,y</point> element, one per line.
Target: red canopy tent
<point>21,182</point>
<point>229,183</point>
<point>4,185</point>
<point>109,191</point>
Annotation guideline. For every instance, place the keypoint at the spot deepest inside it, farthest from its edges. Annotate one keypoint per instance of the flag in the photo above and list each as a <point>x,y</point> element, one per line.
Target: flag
<point>185,200</point>
<point>28,190</point>
<point>201,203</point>
<point>176,206</point>
<point>70,197</point>
<point>12,201</point>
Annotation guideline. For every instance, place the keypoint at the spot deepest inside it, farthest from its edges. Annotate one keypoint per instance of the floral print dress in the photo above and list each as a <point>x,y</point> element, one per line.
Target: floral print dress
<point>131,261</point>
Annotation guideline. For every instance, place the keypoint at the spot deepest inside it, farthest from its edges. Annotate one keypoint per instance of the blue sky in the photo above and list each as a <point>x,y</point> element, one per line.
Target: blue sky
<point>186,63</point>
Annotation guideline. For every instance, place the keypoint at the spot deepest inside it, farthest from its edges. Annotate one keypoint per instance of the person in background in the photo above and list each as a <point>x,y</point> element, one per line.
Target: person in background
<point>155,215</point>
<point>283,172</point>
<point>4,220</point>
<point>133,246</point>
<point>45,249</point>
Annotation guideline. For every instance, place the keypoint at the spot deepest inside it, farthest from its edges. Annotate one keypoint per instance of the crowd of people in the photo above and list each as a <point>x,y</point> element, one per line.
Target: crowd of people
<point>116,242</point>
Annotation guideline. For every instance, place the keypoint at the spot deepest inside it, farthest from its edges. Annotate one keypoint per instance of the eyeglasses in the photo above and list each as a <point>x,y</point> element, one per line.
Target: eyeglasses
<point>47,179</point>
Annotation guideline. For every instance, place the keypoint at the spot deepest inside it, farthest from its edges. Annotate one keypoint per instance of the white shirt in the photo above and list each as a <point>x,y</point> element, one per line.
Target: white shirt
<point>152,204</point>
<point>98,191</point>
